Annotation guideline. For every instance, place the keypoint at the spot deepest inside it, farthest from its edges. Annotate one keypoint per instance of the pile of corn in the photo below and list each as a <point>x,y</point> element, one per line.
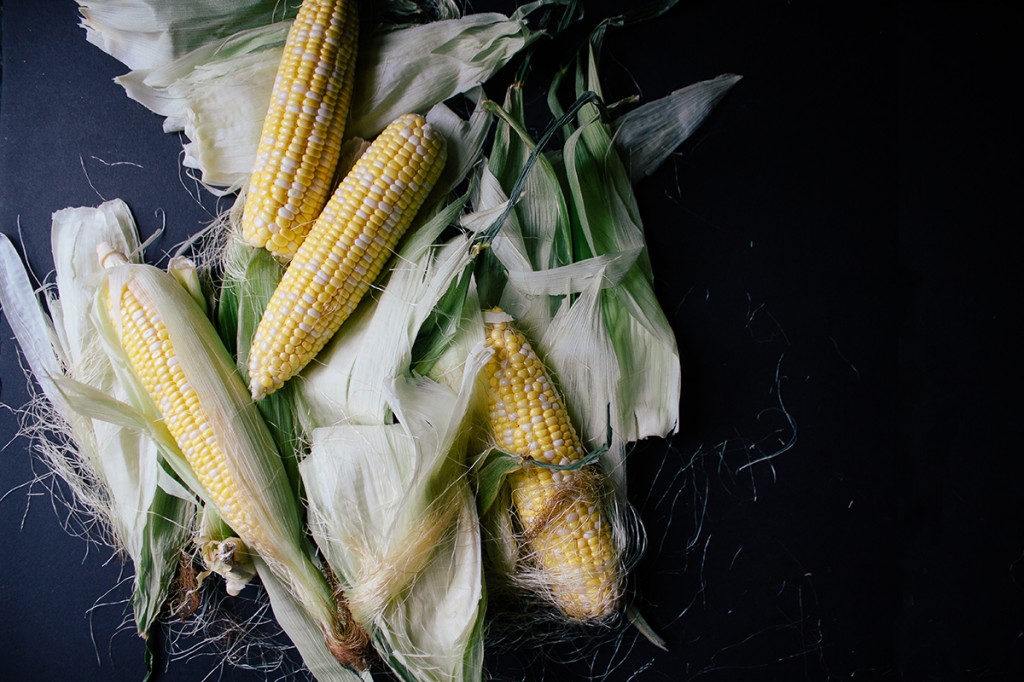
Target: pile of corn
<point>412,377</point>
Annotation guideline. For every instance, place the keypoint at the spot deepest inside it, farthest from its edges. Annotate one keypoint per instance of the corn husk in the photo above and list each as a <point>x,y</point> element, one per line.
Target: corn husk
<point>647,135</point>
<point>147,34</point>
<point>392,511</point>
<point>390,507</point>
<point>112,471</point>
<point>219,92</point>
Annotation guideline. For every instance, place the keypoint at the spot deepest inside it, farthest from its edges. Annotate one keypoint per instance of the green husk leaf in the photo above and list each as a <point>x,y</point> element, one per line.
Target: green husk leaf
<point>543,215</point>
<point>646,136</point>
<point>645,399</point>
<point>250,277</point>
<point>443,323</point>
<point>494,467</point>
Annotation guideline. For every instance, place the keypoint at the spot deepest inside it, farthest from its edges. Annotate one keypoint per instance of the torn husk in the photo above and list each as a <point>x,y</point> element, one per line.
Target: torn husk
<point>112,471</point>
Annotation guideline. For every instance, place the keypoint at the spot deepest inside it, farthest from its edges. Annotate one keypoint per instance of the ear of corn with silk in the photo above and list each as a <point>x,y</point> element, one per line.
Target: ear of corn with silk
<point>346,250</point>
<point>564,528</point>
<point>302,132</point>
<point>178,359</point>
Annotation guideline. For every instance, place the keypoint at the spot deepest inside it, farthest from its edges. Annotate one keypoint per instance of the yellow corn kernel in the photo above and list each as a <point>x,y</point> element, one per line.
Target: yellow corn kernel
<point>563,524</point>
<point>346,250</point>
<point>302,132</point>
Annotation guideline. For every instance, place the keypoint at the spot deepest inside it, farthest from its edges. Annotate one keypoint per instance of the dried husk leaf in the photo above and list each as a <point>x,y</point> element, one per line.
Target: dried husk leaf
<point>146,34</point>
<point>218,94</point>
<point>111,470</point>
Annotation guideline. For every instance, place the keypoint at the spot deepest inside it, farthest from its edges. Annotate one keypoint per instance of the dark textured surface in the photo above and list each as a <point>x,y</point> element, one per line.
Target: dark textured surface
<point>837,240</point>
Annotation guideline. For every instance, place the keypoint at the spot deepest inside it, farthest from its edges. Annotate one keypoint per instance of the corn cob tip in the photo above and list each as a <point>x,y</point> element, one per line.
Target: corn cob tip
<point>108,256</point>
<point>351,647</point>
<point>261,385</point>
<point>496,316</point>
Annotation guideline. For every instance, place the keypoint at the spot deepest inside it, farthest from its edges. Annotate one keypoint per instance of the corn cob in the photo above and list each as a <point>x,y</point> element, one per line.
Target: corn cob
<point>144,338</point>
<point>190,377</point>
<point>563,524</point>
<point>302,132</point>
<point>346,250</point>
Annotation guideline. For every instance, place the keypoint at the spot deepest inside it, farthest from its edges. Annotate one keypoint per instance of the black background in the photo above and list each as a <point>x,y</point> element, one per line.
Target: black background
<point>839,240</point>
